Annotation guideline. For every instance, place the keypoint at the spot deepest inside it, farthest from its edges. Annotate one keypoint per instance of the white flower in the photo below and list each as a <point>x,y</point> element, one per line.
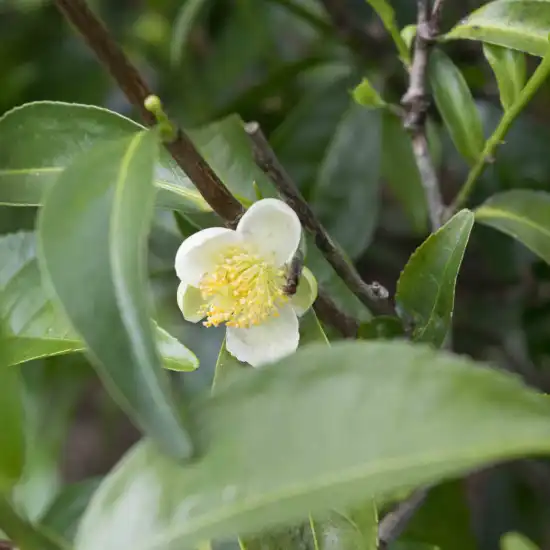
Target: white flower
<point>237,278</point>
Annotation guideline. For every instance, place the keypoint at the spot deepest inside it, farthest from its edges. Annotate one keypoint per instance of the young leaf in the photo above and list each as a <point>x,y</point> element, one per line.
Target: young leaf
<point>268,461</point>
<point>35,323</point>
<point>456,106</point>
<point>515,541</point>
<point>93,238</point>
<point>12,446</point>
<point>522,214</point>
<point>402,176</point>
<point>426,287</point>
<point>386,13</point>
<point>39,140</point>
<point>510,71</point>
<point>366,95</point>
<point>515,24</point>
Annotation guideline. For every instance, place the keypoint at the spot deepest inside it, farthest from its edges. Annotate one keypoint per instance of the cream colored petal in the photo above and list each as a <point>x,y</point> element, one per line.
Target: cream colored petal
<point>190,302</point>
<point>200,253</point>
<point>306,293</point>
<point>272,340</point>
<point>274,229</point>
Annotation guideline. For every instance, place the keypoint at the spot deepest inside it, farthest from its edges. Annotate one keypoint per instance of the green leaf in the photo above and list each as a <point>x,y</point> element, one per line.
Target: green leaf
<point>366,95</point>
<point>510,71</point>
<point>93,244</point>
<point>12,446</point>
<point>51,392</point>
<point>346,193</point>
<point>226,147</point>
<point>522,214</point>
<point>39,140</point>
<point>456,106</point>
<point>302,140</point>
<point>426,287</point>
<point>64,514</point>
<point>37,326</point>
<point>382,327</point>
<point>386,13</point>
<point>515,541</point>
<point>444,519</point>
<point>183,26</point>
<point>517,24</point>
<point>268,461</point>
<point>349,530</point>
<point>23,533</point>
<point>403,176</point>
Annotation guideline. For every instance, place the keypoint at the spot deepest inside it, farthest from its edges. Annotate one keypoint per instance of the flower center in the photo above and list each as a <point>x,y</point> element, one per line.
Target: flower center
<point>244,290</point>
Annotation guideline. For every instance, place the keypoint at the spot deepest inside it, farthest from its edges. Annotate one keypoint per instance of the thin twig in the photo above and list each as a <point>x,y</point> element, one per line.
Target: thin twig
<point>372,295</point>
<point>330,314</point>
<point>136,90</point>
<point>394,523</point>
<point>416,101</point>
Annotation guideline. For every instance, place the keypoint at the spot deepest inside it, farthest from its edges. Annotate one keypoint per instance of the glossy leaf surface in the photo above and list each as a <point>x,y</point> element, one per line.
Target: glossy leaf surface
<point>522,214</point>
<point>456,105</point>
<point>510,71</point>
<point>517,24</point>
<point>426,287</point>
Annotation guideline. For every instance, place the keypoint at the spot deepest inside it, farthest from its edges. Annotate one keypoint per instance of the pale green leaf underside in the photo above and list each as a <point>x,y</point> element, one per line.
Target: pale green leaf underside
<point>267,460</point>
<point>37,326</point>
<point>518,24</point>
<point>522,214</point>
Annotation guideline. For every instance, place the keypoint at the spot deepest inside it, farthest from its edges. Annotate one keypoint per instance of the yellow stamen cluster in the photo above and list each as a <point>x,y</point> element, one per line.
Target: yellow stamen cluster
<point>244,290</point>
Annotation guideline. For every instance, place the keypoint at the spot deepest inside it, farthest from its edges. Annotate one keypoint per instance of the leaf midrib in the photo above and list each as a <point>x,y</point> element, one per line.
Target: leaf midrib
<point>490,212</point>
<point>190,194</point>
<point>359,473</point>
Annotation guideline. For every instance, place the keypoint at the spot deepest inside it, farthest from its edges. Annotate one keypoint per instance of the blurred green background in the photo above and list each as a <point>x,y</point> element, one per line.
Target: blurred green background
<point>283,63</point>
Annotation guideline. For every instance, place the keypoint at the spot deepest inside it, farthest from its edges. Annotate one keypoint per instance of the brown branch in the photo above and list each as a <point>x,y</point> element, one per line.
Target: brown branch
<point>181,149</point>
<point>394,523</point>
<point>416,101</point>
<point>374,296</point>
<point>330,314</point>
<point>136,90</point>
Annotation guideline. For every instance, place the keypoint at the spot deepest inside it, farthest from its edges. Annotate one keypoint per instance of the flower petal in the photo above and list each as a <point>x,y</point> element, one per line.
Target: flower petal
<point>272,340</point>
<point>199,253</point>
<point>274,228</point>
<point>306,293</point>
<point>190,301</point>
